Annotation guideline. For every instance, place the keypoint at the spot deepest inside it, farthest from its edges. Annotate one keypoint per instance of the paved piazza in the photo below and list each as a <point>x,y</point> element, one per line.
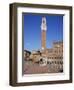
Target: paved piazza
<point>36,68</point>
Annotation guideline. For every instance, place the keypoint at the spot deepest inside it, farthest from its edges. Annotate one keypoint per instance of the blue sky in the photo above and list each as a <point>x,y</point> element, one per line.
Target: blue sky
<point>32,30</point>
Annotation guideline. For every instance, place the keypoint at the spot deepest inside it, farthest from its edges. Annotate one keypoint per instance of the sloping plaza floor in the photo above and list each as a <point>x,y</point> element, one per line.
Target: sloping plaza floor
<point>35,68</point>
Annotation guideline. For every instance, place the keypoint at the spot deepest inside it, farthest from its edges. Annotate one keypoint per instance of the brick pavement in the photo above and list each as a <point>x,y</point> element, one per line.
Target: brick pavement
<point>34,68</point>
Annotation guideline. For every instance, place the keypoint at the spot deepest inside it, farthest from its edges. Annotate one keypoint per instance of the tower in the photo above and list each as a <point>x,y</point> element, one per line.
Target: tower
<point>43,33</point>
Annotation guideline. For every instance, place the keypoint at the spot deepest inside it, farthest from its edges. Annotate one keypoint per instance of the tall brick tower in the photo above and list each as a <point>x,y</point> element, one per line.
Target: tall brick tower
<point>43,33</point>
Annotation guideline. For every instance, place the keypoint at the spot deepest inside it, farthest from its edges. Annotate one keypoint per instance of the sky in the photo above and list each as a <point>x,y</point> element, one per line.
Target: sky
<point>32,30</point>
